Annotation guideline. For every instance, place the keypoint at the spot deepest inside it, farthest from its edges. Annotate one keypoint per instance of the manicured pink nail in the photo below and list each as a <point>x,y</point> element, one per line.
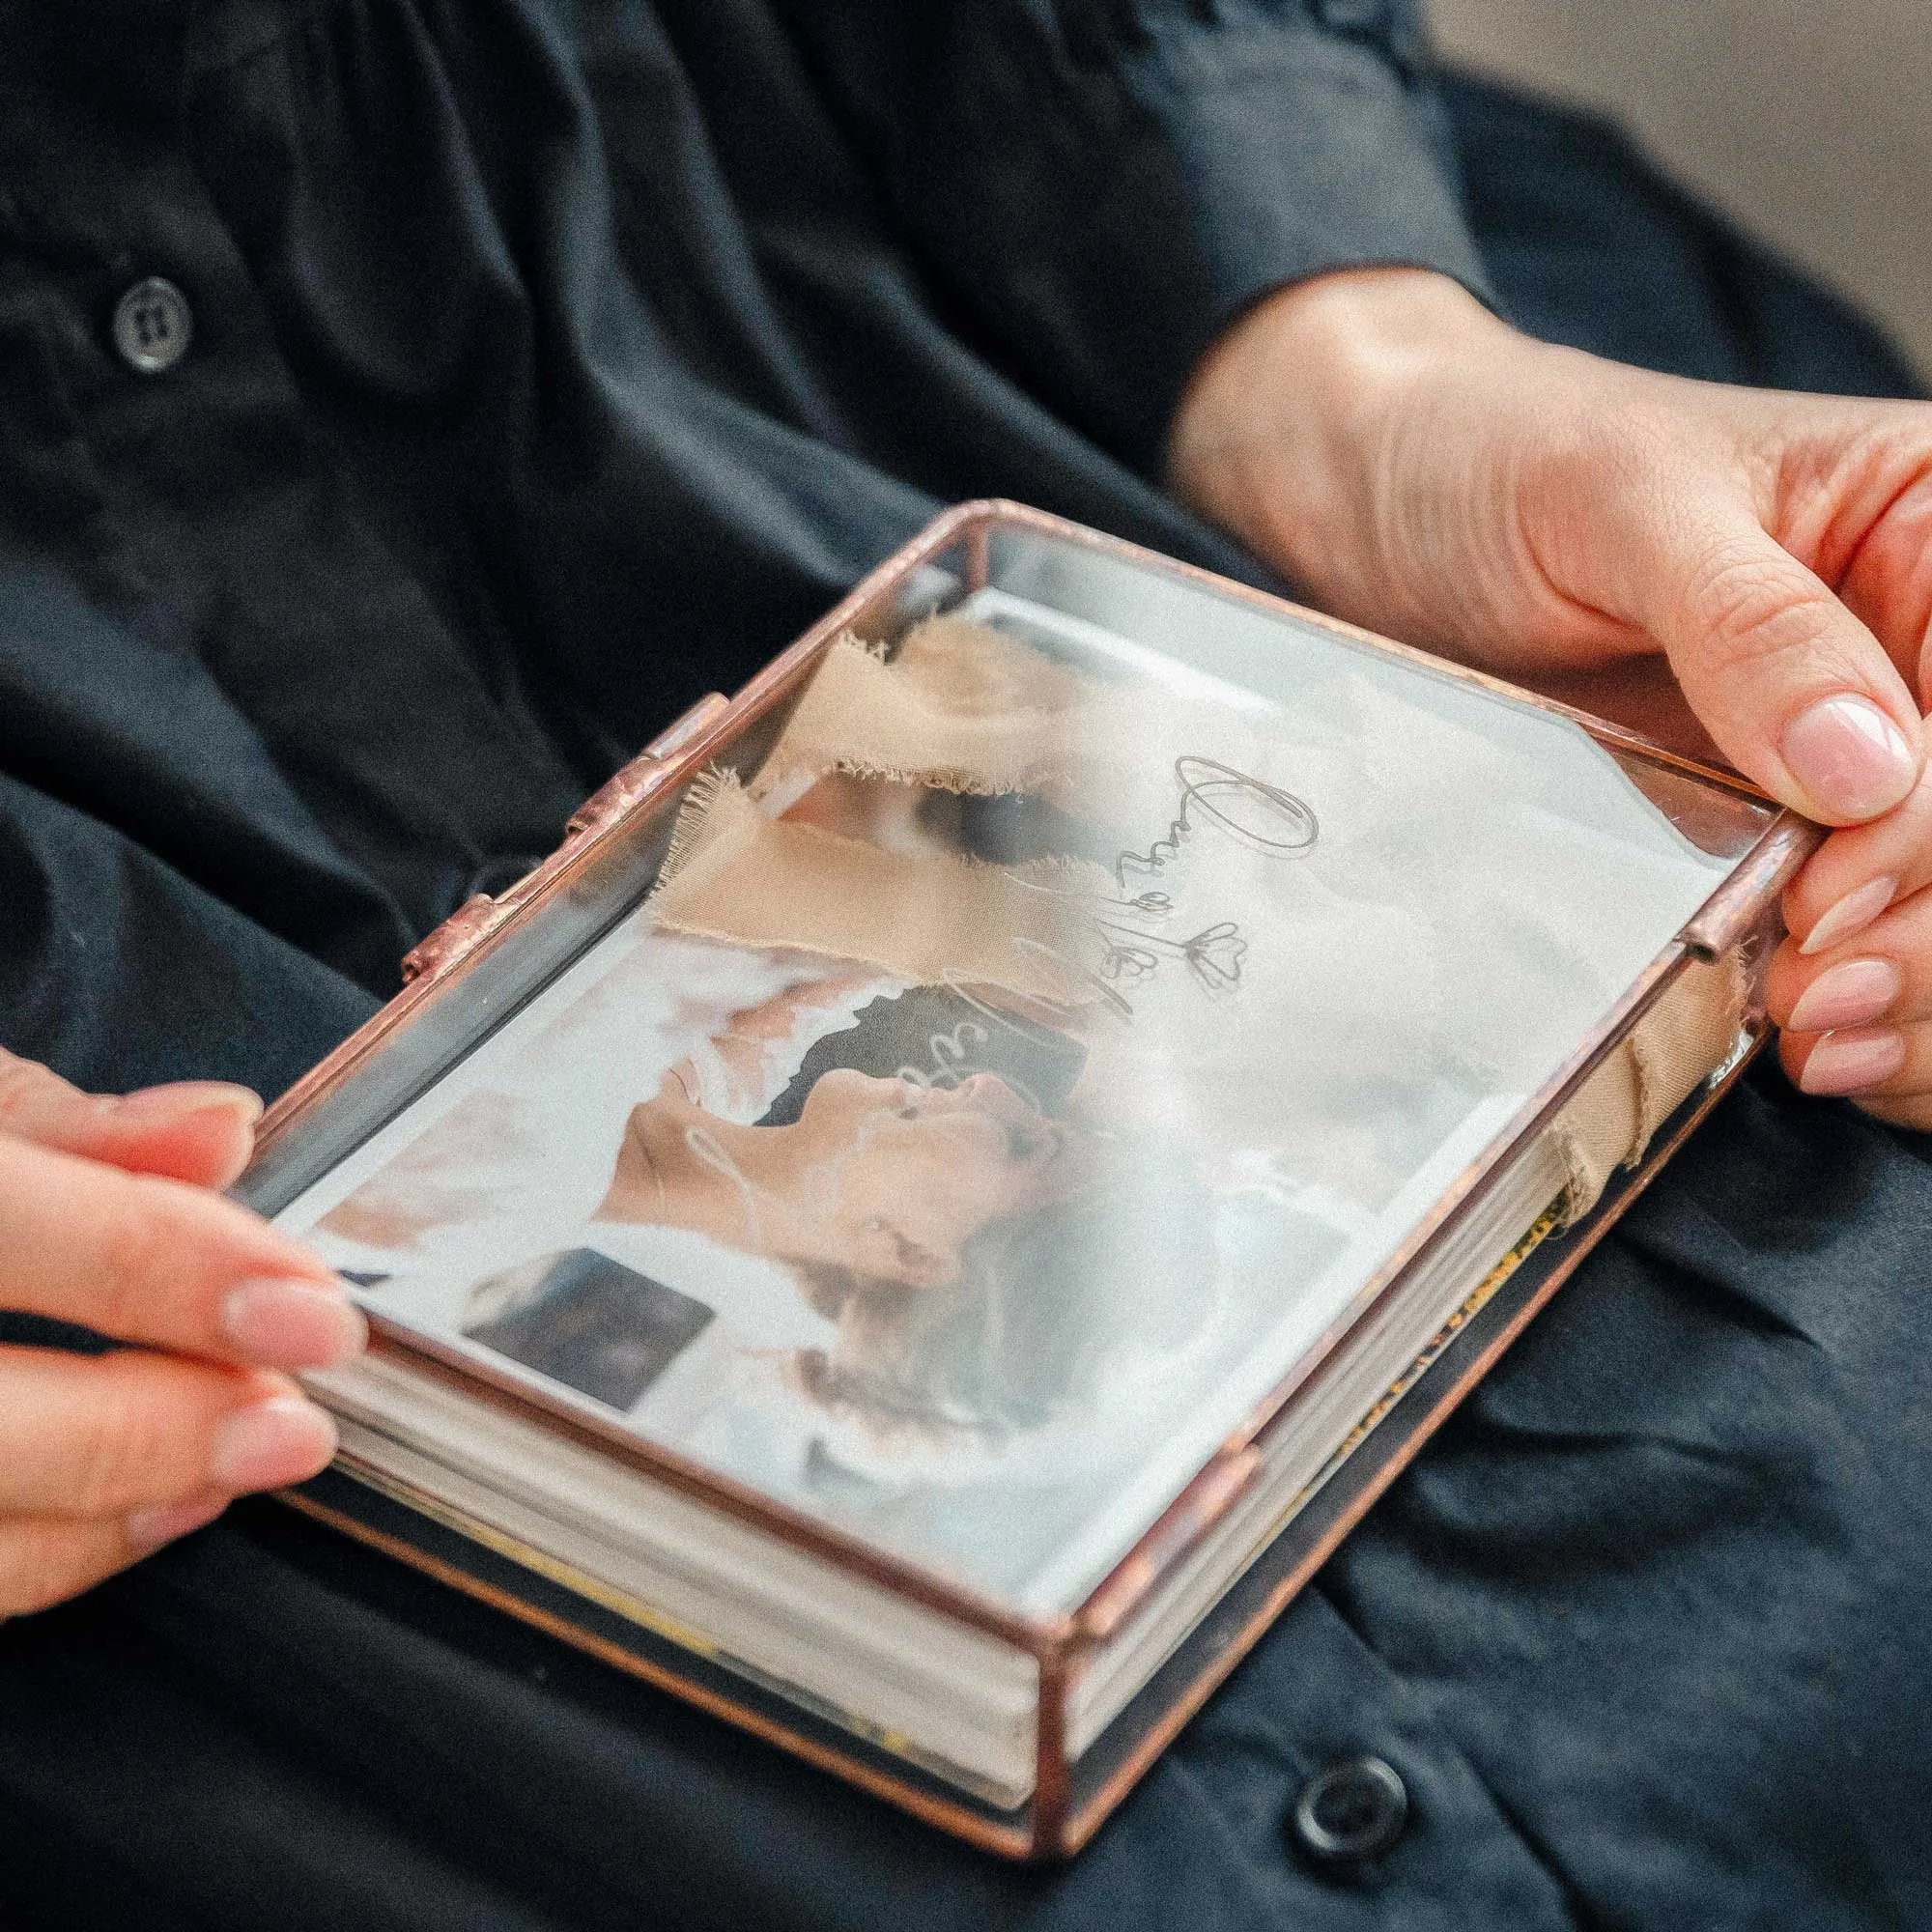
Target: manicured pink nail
<point>1852,914</point>
<point>1849,1063</point>
<point>1852,761</point>
<point>281,1324</point>
<point>1851,995</point>
<point>148,1528</point>
<point>282,1441</point>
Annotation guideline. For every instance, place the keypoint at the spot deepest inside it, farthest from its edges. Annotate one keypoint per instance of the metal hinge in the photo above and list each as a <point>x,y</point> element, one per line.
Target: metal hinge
<point>477,918</point>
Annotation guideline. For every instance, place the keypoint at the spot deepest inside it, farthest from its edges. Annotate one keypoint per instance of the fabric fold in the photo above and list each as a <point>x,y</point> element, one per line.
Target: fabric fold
<point>1649,1074</point>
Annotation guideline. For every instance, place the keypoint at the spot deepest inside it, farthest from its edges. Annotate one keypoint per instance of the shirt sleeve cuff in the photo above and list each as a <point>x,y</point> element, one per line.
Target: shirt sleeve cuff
<point>1179,182</point>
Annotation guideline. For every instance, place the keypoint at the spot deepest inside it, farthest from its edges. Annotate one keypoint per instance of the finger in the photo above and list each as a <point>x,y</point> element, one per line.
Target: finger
<point>1858,1018</point>
<point>1861,871</point>
<point>1797,694</point>
<point>101,1436</point>
<point>1883,972</point>
<point>154,1261</point>
<point>1887,1070</point>
<point>199,1130</point>
<point>45,1561</point>
<point>1887,580</point>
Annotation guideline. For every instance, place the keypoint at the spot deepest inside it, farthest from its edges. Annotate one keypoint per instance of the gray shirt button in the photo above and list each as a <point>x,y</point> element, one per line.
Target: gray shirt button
<point>1351,1812</point>
<point>152,326</point>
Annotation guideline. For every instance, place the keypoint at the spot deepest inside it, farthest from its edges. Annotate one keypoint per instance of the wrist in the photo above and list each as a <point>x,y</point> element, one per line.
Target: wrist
<point>1288,431</point>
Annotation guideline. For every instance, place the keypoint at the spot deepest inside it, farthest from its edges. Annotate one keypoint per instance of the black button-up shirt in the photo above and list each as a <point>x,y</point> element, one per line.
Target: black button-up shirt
<point>531,368</point>
<point>550,366</point>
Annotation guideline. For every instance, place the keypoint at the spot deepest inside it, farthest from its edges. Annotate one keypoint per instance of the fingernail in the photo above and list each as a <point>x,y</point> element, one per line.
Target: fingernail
<point>1851,760</point>
<point>1844,1063</point>
<point>148,1528</point>
<point>282,1441</point>
<point>153,1105</point>
<point>1851,915</point>
<point>1851,995</point>
<point>281,1324</point>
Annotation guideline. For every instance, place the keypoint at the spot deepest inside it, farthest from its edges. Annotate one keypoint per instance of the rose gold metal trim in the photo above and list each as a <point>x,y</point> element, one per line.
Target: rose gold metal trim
<point>1474,1180</point>
<point>1400,1452</point>
<point>441,958</point>
<point>437,951</point>
<point>689,743</point>
<point>770,687</point>
<point>1192,1514</point>
<point>328,1073</point>
<point>617,796</point>
<point>694,742</point>
<point>476,918</point>
<point>1760,878</point>
<point>1053,1770</point>
<point>978,549</point>
<point>793,1527</point>
<point>1052,1641</point>
<point>1010,1841</point>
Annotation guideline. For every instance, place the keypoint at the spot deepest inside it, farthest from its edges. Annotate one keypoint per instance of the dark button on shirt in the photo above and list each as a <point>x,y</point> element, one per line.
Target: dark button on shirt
<point>152,326</point>
<point>1351,1812</point>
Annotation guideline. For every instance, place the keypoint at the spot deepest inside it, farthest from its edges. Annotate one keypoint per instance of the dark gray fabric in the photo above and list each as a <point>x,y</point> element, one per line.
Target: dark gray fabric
<point>553,364</point>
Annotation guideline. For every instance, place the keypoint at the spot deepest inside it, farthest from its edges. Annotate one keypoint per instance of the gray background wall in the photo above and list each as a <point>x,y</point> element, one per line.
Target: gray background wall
<point>1810,119</point>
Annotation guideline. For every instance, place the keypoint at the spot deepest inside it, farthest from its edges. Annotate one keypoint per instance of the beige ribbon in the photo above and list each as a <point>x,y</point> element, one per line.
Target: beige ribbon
<point>1649,1074</point>
<point>962,708</point>
<point>931,919</point>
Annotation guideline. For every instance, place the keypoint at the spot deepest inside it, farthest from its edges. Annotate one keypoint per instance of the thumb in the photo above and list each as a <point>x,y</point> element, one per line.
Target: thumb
<point>194,1130</point>
<point>1797,693</point>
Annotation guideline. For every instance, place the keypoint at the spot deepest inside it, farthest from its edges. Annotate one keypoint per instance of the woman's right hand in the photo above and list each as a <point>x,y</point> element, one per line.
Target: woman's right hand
<point>1422,467</point>
<point>109,1218</point>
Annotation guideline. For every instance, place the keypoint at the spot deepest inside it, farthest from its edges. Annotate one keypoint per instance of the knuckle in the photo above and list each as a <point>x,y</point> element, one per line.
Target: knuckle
<point>43,1564</point>
<point>1748,608</point>
<point>139,1251</point>
<point>120,1446</point>
<point>1885,456</point>
<point>1763,620</point>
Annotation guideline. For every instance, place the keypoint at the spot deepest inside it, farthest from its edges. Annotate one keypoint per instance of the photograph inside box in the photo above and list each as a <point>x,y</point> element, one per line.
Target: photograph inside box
<point>1026,1066</point>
